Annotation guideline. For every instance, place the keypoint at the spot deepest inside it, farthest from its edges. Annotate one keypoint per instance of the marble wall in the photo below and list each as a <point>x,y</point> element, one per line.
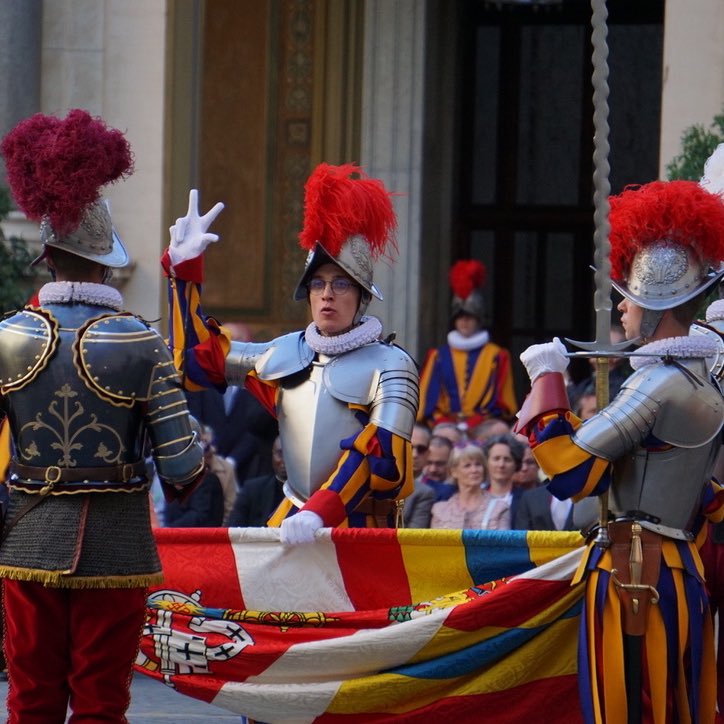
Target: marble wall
<point>693,72</point>
<point>108,56</point>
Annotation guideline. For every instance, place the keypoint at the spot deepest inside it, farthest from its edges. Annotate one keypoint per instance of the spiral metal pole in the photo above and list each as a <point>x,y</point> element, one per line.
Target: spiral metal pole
<point>602,245</point>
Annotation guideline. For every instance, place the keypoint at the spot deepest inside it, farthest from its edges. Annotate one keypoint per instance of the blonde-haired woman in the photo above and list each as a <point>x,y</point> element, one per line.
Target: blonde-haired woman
<point>471,506</point>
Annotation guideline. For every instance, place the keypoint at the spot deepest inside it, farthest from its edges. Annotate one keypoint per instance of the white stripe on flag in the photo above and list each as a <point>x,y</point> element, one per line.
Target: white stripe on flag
<point>288,578</point>
<point>361,653</point>
<point>559,569</point>
<point>281,704</point>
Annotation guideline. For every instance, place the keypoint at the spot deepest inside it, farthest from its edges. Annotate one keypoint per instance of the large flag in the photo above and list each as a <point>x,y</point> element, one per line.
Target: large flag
<point>369,625</point>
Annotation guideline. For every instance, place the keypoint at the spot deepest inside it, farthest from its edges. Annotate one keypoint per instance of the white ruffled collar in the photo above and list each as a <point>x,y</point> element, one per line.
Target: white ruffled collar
<point>677,347</point>
<point>715,311</point>
<point>100,295</point>
<point>368,330</point>
<point>465,344</point>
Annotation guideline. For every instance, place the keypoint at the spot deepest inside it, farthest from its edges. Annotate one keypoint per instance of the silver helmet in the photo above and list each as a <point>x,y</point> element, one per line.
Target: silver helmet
<point>349,221</point>
<point>467,278</point>
<point>94,239</point>
<point>665,274</point>
<point>56,168</point>
<point>473,305</point>
<point>354,259</point>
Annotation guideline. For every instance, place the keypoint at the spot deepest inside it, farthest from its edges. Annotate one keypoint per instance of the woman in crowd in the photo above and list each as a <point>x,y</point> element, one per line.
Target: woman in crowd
<point>503,459</point>
<point>471,506</point>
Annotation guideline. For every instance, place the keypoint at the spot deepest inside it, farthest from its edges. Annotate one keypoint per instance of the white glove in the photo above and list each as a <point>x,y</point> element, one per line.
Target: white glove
<point>300,528</point>
<point>189,235</point>
<point>547,357</point>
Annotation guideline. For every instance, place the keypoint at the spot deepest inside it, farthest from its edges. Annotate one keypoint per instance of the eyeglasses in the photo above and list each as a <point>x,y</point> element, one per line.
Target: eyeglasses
<point>338,286</point>
<point>529,464</point>
<point>420,449</point>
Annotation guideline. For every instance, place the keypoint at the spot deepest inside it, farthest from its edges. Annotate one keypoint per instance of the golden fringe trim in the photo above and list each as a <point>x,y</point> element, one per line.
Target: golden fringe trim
<point>63,579</point>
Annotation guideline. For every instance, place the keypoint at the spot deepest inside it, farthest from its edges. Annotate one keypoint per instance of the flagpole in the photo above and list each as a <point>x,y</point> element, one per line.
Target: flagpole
<point>602,302</point>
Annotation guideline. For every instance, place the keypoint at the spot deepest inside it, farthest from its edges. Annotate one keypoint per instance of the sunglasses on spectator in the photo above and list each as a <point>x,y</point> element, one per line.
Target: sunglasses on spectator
<point>420,449</point>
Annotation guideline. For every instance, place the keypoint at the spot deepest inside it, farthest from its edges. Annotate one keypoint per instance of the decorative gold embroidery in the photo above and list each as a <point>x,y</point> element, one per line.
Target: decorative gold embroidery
<point>72,426</point>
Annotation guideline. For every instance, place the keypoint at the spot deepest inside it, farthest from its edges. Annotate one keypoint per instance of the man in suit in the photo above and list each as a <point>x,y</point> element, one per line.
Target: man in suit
<point>260,496</point>
<point>418,505</point>
<point>538,510</point>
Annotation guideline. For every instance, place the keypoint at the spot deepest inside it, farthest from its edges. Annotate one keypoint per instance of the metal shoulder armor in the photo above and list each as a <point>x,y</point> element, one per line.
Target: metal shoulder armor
<point>656,399</point>
<point>28,340</point>
<point>120,358</point>
<point>382,377</point>
<point>283,356</point>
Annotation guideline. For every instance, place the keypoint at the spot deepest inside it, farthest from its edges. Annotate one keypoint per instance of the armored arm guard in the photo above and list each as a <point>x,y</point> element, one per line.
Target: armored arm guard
<point>273,360</point>
<point>655,399</point>
<point>397,397</point>
<point>176,449</point>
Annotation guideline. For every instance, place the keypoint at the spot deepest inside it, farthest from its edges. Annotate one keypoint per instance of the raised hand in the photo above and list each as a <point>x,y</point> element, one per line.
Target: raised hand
<point>189,235</point>
<point>548,357</point>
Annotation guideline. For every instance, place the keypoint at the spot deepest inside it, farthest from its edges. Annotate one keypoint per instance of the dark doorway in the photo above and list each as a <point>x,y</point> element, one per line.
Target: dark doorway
<point>525,187</point>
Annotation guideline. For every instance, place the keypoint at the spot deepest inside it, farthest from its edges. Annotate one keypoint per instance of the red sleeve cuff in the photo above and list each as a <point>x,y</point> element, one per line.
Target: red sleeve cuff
<point>328,506</point>
<point>191,270</point>
<point>547,394</point>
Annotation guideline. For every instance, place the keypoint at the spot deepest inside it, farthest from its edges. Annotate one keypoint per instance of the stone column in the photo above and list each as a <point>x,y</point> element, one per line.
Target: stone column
<point>391,149</point>
<point>20,33</point>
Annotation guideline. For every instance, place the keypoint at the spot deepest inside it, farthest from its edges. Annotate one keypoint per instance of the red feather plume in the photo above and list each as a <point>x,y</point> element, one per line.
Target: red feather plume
<point>341,202</point>
<point>465,276</point>
<point>681,211</point>
<point>57,167</point>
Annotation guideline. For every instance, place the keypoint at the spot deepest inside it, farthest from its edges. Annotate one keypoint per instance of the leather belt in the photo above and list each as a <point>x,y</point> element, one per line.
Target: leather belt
<point>652,523</point>
<point>55,474</point>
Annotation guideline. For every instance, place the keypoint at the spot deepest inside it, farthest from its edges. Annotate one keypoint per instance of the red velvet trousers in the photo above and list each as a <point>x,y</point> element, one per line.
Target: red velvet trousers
<point>70,647</point>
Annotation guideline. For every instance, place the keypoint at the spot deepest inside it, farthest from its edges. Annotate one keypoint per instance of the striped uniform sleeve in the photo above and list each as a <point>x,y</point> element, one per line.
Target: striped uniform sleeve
<point>375,460</point>
<point>713,501</point>
<point>505,401</point>
<point>197,342</point>
<point>431,388</point>
<point>484,381</point>
<point>573,472</point>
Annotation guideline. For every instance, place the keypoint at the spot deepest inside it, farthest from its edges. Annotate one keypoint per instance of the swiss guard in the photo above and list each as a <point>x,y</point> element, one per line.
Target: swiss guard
<point>85,387</point>
<point>469,379</point>
<point>646,650</point>
<point>345,397</point>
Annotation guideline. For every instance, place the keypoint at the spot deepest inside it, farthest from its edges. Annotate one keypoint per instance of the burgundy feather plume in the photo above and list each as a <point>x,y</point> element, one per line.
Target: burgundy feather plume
<point>466,275</point>
<point>681,211</point>
<point>57,167</point>
<point>341,202</point>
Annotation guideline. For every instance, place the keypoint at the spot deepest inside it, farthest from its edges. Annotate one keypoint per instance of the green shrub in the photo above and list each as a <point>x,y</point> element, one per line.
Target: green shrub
<point>16,274</point>
<point>697,144</point>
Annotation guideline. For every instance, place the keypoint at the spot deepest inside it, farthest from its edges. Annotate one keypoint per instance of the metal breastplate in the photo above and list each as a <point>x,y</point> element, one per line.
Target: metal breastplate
<point>58,420</point>
<point>664,485</point>
<point>680,408</point>
<point>101,383</point>
<point>312,423</point>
